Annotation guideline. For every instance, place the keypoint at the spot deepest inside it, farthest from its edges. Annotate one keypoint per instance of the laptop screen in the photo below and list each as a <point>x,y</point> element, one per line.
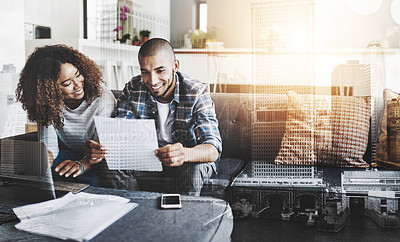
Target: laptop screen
<point>24,165</point>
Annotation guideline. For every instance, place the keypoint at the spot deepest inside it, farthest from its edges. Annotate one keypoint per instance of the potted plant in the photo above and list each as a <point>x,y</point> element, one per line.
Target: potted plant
<point>123,17</point>
<point>124,38</point>
<point>145,35</point>
<point>135,40</point>
<point>198,39</point>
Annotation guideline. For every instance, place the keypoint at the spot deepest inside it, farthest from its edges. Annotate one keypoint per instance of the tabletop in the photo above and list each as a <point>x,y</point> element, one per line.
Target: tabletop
<point>199,219</point>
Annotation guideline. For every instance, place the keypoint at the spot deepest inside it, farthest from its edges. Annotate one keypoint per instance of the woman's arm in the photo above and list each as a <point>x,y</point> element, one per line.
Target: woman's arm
<point>48,136</point>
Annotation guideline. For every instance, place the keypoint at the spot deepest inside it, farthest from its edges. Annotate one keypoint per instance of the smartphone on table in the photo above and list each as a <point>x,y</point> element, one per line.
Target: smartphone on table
<point>171,201</point>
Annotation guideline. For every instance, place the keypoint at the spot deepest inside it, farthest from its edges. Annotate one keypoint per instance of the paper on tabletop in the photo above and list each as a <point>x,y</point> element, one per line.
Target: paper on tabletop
<point>79,217</point>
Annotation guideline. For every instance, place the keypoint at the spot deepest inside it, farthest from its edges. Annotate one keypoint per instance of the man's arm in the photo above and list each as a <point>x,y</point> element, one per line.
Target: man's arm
<point>125,108</point>
<point>176,154</point>
<point>201,153</point>
<point>206,123</point>
<point>206,126</point>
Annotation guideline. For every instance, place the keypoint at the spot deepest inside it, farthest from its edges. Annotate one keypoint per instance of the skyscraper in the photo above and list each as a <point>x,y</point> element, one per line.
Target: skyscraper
<point>351,79</point>
<point>283,45</point>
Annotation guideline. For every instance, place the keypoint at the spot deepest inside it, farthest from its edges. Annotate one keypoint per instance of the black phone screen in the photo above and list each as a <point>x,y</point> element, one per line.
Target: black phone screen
<point>170,200</point>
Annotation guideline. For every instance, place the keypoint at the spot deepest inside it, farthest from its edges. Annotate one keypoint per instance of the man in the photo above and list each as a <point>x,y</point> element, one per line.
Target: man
<point>187,127</point>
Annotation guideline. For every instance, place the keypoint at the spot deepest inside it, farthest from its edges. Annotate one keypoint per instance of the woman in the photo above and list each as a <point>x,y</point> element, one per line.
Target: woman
<point>62,91</point>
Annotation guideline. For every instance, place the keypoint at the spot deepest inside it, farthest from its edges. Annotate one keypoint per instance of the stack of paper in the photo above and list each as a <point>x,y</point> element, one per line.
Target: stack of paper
<point>79,217</point>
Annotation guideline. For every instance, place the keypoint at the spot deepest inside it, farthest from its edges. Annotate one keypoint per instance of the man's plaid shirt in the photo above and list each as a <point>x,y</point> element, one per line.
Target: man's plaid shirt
<point>192,110</point>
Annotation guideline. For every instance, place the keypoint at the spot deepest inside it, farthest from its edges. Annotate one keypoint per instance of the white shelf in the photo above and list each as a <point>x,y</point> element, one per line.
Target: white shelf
<point>93,49</point>
<point>118,62</point>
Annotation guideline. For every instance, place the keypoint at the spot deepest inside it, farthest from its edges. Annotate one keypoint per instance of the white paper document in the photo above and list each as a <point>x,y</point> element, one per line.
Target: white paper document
<point>130,143</point>
<point>79,217</point>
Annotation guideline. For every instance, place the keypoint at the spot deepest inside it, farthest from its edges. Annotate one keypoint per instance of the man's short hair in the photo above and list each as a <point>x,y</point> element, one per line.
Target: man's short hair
<point>154,46</point>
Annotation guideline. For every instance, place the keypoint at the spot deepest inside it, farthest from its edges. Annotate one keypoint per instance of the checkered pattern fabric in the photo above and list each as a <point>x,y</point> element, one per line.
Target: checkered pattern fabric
<point>192,110</point>
<point>325,130</point>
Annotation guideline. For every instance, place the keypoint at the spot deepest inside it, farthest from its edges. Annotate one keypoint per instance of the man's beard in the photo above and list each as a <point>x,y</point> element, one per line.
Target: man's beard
<point>170,85</point>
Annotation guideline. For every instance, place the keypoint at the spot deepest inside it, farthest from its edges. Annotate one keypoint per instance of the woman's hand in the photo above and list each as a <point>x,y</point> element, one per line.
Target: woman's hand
<point>69,167</point>
<point>94,151</point>
<point>51,157</point>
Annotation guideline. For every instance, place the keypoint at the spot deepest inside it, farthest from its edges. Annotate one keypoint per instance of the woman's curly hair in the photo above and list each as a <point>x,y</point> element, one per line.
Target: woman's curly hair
<point>39,91</point>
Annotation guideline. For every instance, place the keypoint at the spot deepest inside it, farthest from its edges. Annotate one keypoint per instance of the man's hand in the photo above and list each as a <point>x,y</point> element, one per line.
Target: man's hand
<point>94,151</point>
<point>69,167</point>
<point>171,155</point>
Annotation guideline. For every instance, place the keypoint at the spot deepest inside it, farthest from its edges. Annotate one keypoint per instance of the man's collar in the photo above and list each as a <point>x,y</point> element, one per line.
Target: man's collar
<point>176,90</point>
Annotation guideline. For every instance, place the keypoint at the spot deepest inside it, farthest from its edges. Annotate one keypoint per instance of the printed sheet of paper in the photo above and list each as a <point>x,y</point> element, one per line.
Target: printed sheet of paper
<point>130,143</point>
<point>79,217</point>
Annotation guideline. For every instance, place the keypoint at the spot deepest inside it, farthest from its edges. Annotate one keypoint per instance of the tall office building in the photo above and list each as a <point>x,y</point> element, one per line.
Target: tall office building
<point>393,123</point>
<point>11,153</point>
<point>283,45</point>
<point>364,79</point>
<point>375,58</point>
<point>357,79</point>
<point>351,79</point>
<point>268,124</point>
